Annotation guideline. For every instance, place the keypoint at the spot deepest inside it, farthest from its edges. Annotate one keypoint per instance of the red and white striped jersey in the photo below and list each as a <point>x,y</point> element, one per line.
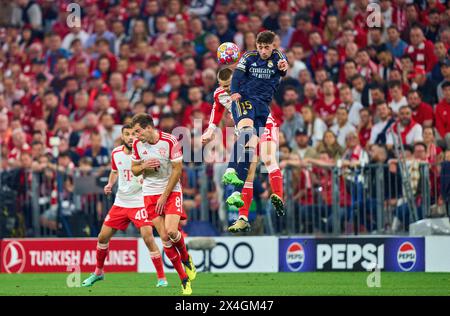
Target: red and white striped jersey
<point>166,150</point>
<point>222,101</point>
<point>129,193</point>
<point>422,55</point>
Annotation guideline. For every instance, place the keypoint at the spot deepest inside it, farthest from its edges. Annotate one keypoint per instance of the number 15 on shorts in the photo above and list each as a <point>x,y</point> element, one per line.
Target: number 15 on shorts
<point>244,106</point>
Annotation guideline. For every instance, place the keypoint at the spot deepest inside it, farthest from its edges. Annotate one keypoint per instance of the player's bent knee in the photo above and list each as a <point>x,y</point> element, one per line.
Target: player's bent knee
<point>103,239</point>
<point>245,123</point>
<point>173,233</point>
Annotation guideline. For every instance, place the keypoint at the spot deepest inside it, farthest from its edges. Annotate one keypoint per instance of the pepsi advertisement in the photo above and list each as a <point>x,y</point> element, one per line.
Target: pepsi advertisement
<point>352,254</point>
<point>297,254</point>
<point>405,254</point>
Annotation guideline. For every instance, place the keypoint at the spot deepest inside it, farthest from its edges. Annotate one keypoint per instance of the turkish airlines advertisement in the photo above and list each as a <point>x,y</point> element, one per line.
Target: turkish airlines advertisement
<point>60,254</point>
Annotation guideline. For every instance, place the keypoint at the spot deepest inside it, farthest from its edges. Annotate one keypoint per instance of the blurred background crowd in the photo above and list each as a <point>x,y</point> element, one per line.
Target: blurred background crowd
<point>360,83</point>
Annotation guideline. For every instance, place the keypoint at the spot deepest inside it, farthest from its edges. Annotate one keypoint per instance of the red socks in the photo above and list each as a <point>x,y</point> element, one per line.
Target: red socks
<point>174,257</point>
<point>276,180</point>
<point>247,196</point>
<point>178,242</point>
<point>102,252</point>
<point>157,262</point>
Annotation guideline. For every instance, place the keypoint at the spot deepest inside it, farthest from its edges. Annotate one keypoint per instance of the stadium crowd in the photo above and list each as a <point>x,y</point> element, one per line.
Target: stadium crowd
<point>66,91</point>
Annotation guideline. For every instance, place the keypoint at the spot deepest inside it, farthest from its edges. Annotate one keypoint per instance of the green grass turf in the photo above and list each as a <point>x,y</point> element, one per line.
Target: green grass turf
<point>313,283</point>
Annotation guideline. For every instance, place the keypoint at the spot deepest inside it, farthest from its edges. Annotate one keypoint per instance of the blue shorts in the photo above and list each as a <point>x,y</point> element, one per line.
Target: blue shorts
<point>254,110</point>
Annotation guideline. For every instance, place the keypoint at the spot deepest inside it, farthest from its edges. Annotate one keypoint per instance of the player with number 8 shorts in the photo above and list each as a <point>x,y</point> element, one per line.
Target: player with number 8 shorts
<point>128,207</point>
<point>158,155</point>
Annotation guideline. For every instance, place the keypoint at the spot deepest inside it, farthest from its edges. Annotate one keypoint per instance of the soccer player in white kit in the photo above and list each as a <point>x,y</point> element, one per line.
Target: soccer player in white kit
<point>128,207</point>
<point>158,156</point>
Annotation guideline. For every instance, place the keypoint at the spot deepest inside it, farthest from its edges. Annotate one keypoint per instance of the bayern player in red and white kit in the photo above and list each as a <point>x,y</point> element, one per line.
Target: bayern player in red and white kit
<point>158,156</point>
<point>267,149</point>
<point>128,207</point>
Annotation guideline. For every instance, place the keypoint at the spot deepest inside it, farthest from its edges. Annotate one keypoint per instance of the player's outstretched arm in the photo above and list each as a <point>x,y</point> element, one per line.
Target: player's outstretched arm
<point>113,175</point>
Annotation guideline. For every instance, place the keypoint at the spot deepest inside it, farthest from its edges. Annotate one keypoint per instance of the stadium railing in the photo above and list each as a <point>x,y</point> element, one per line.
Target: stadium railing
<point>319,201</point>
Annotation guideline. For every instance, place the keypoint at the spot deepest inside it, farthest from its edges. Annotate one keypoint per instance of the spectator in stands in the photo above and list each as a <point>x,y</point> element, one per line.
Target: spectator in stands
<point>434,153</point>
<point>342,127</point>
<point>20,146</point>
<point>29,13</point>
<point>423,84</point>
<point>398,99</point>
<point>422,112</point>
<point>332,65</point>
<point>313,124</point>
<point>405,129</point>
<point>286,30</point>
<point>81,109</point>
<point>302,145</point>
<point>327,106</point>
<point>90,123</point>
<point>394,43</point>
<point>353,107</point>
<point>421,50</point>
<point>445,70</point>
<point>443,115</point>
<point>360,90</point>
<point>380,130</point>
<point>330,146</point>
<point>402,212</point>
<point>441,52</point>
<point>109,131</point>
<point>292,121</point>
<point>96,152</point>
<point>364,128</point>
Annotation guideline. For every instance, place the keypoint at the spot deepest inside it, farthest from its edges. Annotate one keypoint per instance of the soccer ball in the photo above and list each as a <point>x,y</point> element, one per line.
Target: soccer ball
<point>228,53</point>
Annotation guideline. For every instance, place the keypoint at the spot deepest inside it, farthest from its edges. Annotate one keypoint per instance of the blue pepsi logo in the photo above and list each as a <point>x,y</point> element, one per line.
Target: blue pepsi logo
<point>406,256</point>
<point>295,256</point>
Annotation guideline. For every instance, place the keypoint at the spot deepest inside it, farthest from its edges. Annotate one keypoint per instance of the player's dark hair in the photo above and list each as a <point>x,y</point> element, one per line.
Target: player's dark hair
<point>126,126</point>
<point>265,37</point>
<point>224,74</point>
<point>144,120</point>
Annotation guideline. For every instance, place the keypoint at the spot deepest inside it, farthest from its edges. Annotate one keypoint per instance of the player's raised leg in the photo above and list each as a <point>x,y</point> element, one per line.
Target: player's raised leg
<point>155,254</point>
<point>267,153</point>
<point>242,224</point>
<point>242,156</point>
<point>104,237</point>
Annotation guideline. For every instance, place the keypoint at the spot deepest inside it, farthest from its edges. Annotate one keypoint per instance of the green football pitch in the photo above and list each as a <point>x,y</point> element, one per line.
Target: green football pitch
<point>234,284</point>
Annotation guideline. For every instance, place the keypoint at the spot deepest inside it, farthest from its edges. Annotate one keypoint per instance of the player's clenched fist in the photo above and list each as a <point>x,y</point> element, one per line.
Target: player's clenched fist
<point>283,65</point>
<point>208,136</point>
<point>108,189</point>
